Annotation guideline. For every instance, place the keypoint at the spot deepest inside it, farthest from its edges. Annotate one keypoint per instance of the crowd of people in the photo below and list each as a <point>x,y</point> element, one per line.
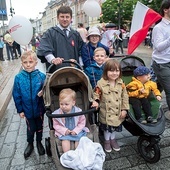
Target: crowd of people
<point>86,47</point>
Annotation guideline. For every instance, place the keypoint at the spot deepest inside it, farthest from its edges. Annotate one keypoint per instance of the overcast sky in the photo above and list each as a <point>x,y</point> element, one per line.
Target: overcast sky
<point>27,8</point>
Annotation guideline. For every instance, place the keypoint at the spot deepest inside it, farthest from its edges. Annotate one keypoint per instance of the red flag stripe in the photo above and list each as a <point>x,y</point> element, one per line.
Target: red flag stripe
<point>136,39</point>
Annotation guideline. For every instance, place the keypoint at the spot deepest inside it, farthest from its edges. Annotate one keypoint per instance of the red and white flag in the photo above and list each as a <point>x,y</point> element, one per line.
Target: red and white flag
<point>143,18</point>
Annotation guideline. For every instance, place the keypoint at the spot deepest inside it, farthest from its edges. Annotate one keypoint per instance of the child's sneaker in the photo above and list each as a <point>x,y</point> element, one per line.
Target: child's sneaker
<point>143,121</point>
<point>154,121</point>
<point>107,146</point>
<point>114,145</point>
<point>150,119</point>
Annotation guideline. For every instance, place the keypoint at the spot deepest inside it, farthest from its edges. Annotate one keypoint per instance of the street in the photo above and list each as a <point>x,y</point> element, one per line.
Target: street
<point>13,142</point>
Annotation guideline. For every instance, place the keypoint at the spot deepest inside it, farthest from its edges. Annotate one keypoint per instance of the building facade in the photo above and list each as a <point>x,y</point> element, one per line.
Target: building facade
<point>49,16</point>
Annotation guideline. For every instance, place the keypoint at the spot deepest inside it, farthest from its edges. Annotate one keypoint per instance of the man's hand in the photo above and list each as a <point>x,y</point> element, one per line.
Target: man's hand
<point>57,60</point>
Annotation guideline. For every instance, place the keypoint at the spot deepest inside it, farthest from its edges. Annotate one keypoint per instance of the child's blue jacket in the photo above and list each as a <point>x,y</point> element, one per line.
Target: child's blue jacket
<point>25,90</point>
<point>94,72</point>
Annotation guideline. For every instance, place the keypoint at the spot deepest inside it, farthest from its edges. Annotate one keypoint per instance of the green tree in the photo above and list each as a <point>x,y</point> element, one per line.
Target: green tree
<point>121,11</point>
<point>153,4</point>
<point>117,11</point>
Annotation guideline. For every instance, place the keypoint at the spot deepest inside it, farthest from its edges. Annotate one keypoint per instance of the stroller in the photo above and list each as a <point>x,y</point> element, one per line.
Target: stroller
<point>74,78</point>
<point>149,134</point>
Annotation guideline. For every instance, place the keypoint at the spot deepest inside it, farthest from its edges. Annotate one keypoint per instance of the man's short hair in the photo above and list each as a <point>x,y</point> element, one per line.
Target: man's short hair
<point>164,5</point>
<point>64,10</point>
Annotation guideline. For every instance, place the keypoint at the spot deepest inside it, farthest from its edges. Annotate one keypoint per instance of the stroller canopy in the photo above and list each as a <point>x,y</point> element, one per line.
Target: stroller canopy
<point>66,77</point>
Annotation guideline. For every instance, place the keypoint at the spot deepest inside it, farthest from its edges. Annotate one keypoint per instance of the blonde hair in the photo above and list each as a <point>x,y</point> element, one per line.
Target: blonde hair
<point>29,53</point>
<point>99,49</point>
<point>67,92</point>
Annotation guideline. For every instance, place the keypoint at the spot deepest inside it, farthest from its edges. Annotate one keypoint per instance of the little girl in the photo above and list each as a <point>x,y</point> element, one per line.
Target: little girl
<point>69,128</point>
<point>110,93</point>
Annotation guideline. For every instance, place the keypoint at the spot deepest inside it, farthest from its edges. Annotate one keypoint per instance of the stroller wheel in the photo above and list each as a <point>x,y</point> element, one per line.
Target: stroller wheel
<point>149,149</point>
<point>48,146</point>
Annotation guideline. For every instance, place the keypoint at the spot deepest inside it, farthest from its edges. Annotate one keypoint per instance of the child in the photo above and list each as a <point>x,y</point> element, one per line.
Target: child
<point>111,94</point>
<point>95,70</point>
<point>139,89</point>
<point>28,100</point>
<point>69,128</point>
<point>1,49</point>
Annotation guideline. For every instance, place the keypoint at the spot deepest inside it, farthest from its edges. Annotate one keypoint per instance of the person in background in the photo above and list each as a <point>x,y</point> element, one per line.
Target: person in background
<point>60,42</point>
<point>1,49</point>
<point>119,42</point>
<point>16,49</point>
<point>69,128</point>
<point>87,51</point>
<point>110,93</point>
<point>9,43</point>
<point>161,51</point>
<point>138,90</point>
<point>27,94</point>
<point>95,70</point>
<point>82,31</point>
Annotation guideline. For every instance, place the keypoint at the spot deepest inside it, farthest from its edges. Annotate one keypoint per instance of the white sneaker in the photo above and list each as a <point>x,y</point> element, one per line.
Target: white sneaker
<point>167,115</point>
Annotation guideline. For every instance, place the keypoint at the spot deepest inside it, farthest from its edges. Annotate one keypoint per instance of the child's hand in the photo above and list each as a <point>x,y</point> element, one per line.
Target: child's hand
<point>158,98</point>
<point>95,104</point>
<point>73,133</point>
<point>67,132</point>
<point>142,90</point>
<point>40,93</point>
<point>123,114</point>
<point>22,115</point>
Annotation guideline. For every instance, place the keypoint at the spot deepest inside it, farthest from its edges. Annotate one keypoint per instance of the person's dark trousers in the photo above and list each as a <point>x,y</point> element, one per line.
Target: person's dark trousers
<point>34,126</point>
<point>139,104</point>
<point>9,51</point>
<point>14,51</point>
<point>119,44</point>
<point>1,54</point>
<point>18,49</point>
<point>162,72</point>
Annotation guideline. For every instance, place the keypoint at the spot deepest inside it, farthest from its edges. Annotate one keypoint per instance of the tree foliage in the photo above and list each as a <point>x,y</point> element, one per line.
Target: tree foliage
<point>121,11</point>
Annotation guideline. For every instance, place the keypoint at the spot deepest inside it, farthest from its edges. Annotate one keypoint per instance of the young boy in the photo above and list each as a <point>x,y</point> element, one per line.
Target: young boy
<point>27,95</point>
<point>139,89</point>
<point>95,70</point>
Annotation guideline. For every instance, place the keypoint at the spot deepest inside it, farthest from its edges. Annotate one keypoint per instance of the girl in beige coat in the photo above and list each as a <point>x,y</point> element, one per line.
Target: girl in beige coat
<point>111,95</point>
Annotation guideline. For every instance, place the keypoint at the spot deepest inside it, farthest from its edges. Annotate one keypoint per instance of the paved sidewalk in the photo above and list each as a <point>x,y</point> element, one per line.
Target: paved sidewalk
<point>13,135</point>
<point>9,70</point>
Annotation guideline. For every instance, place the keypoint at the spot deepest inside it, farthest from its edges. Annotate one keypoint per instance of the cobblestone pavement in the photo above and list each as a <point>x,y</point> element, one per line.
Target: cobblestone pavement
<point>13,143</point>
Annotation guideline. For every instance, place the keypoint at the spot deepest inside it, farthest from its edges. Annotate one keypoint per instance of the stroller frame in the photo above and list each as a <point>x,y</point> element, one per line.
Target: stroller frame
<point>74,78</point>
<point>149,134</point>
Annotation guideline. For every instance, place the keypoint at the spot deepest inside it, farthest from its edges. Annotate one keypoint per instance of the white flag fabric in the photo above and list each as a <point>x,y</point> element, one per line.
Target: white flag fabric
<point>143,18</point>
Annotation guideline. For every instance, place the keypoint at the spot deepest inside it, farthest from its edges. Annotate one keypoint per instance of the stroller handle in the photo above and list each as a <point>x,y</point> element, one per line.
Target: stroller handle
<point>49,115</point>
<point>64,62</point>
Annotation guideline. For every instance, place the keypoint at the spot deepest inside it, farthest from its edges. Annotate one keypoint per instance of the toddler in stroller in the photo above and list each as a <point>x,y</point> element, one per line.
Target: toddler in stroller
<point>138,90</point>
<point>70,128</point>
<point>149,134</point>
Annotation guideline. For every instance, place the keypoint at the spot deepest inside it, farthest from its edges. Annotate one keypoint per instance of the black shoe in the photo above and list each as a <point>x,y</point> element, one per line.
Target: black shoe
<point>28,150</point>
<point>150,119</point>
<point>40,148</point>
<point>143,121</point>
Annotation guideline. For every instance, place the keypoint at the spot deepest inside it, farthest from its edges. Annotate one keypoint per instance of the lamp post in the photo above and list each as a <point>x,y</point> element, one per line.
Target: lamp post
<point>119,10</point>
<point>11,9</point>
